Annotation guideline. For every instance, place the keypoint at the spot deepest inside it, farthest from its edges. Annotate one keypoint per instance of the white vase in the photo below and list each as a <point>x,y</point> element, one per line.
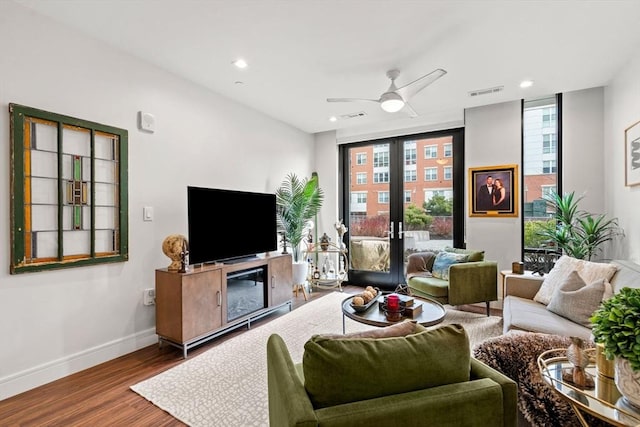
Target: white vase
<point>300,270</point>
<point>628,381</point>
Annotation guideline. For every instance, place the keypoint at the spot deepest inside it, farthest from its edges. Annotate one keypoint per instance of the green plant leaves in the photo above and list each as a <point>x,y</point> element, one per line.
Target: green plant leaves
<point>616,324</point>
<point>298,201</point>
<point>578,233</point>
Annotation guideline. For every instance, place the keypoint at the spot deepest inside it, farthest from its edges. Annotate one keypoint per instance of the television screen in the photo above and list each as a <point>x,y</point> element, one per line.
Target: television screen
<point>227,224</point>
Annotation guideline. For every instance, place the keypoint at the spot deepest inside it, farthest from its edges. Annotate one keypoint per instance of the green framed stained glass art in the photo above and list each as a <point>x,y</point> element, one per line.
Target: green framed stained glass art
<point>69,201</point>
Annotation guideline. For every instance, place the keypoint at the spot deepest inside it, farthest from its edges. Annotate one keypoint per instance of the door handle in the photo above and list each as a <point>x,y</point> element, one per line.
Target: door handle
<point>273,281</point>
<point>400,232</point>
<point>219,295</point>
<point>391,230</point>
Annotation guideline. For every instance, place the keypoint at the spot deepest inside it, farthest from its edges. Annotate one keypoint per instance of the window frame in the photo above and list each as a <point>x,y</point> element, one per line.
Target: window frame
<point>19,114</point>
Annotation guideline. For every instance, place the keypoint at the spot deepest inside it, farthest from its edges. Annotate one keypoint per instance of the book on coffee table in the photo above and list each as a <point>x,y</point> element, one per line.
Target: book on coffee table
<point>405,300</point>
<point>413,311</point>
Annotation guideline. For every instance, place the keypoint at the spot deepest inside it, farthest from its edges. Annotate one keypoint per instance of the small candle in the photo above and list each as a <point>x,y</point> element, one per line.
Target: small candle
<point>393,302</point>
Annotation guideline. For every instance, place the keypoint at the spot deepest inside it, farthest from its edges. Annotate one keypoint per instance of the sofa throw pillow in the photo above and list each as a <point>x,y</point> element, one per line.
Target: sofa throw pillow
<point>576,300</point>
<point>443,261</point>
<point>399,329</point>
<point>588,271</point>
<point>349,370</point>
<point>473,255</point>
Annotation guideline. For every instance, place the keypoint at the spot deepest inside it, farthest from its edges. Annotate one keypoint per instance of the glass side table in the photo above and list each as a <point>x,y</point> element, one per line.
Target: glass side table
<point>604,401</point>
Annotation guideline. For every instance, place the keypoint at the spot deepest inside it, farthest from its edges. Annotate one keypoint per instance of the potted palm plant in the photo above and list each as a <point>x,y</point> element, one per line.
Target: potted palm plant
<point>576,232</point>
<point>616,327</point>
<point>298,201</point>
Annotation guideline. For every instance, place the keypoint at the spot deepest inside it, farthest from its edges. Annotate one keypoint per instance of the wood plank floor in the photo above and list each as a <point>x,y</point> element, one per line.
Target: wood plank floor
<point>100,396</point>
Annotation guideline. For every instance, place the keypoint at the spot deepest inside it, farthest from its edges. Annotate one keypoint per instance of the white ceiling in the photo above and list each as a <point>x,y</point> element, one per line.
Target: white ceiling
<point>301,52</point>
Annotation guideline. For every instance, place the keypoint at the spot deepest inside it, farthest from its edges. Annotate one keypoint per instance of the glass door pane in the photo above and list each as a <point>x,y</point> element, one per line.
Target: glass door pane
<point>427,194</point>
<point>369,210</point>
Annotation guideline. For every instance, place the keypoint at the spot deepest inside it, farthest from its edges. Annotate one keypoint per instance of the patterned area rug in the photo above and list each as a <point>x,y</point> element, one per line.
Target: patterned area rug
<point>227,385</point>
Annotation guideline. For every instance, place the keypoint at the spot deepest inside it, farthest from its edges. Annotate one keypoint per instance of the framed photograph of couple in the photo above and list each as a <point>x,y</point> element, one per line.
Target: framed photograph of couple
<point>493,191</point>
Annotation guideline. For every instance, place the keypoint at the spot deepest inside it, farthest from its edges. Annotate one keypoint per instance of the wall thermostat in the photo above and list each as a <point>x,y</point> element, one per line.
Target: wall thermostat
<point>146,121</point>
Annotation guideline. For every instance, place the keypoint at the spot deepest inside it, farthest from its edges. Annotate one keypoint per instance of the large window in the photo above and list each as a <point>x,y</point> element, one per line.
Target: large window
<point>541,147</point>
<point>69,191</point>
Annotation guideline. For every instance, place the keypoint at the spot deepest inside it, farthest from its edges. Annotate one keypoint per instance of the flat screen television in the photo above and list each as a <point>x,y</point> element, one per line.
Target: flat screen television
<point>229,224</point>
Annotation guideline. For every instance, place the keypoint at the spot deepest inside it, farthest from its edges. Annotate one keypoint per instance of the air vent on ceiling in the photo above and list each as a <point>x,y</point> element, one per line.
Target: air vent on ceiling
<point>486,91</point>
<point>352,115</point>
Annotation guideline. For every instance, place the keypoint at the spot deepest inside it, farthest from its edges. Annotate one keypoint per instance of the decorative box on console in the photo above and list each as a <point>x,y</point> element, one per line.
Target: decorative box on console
<point>517,267</point>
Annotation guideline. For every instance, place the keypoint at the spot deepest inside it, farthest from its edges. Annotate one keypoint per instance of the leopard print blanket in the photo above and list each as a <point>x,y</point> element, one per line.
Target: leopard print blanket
<point>515,354</point>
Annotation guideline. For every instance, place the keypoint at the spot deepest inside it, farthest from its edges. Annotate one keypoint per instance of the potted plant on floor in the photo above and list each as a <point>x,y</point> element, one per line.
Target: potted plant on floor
<point>576,232</point>
<point>298,201</point>
<point>616,326</point>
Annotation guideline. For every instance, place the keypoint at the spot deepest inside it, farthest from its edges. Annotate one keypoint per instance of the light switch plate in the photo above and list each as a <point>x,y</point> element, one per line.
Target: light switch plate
<point>147,213</point>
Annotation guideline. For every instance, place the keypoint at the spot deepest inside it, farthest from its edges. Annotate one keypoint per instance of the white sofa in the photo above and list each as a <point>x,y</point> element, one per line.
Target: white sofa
<point>521,312</point>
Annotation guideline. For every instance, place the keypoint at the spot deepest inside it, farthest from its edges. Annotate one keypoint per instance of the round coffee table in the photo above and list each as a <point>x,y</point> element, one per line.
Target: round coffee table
<point>432,313</point>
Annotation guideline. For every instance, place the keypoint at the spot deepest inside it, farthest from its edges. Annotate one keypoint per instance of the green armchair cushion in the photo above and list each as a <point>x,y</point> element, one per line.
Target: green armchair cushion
<point>338,371</point>
<point>443,261</point>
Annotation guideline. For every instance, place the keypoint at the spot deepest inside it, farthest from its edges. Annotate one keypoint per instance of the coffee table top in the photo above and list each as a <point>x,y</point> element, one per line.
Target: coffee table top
<point>432,313</point>
<point>603,401</point>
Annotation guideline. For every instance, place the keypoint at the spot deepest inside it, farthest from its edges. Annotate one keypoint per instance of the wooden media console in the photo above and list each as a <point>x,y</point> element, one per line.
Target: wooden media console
<point>197,306</point>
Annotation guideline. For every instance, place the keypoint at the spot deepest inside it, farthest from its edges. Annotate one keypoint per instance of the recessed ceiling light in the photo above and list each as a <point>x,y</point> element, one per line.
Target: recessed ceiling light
<point>526,83</point>
<point>240,63</point>
<point>333,119</point>
<point>238,82</point>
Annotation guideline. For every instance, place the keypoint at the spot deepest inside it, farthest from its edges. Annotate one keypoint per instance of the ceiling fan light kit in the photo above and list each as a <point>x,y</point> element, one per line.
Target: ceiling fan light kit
<point>395,99</point>
<point>391,102</point>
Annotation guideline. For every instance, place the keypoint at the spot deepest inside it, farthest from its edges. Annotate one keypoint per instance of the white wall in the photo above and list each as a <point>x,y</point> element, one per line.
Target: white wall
<point>582,136</point>
<point>492,137</point>
<point>326,157</point>
<point>622,109</point>
<point>55,323</point>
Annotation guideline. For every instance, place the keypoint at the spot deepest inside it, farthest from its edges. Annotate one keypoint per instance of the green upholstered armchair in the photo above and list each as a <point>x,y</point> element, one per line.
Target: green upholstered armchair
<point>467,280</point>
<point>426,378</point>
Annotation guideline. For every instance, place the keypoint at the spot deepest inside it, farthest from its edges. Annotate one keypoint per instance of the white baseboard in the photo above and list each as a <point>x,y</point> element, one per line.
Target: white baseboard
<point>39,375</point>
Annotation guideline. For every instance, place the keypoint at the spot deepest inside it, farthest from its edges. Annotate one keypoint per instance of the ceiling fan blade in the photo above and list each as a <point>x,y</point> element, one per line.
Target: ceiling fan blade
<point>409,110</point>
<point>350,100</point>
<point>410,89</point>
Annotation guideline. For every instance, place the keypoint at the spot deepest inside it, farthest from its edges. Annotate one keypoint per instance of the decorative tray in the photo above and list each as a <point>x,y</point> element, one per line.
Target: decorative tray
<point>367,306</point>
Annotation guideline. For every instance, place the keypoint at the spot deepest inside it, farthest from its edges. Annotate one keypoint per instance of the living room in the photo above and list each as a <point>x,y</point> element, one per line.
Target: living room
<point>59,322</point>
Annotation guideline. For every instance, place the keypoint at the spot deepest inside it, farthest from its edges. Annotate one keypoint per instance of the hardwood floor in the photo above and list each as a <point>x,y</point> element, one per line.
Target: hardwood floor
<point>100,396</point>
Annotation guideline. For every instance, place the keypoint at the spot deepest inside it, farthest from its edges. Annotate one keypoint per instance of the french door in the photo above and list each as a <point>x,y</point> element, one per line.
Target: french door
<point>400,195</point>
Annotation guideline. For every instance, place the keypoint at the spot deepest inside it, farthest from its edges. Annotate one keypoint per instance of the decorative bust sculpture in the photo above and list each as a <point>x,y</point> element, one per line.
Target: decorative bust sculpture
<point>174,246</point>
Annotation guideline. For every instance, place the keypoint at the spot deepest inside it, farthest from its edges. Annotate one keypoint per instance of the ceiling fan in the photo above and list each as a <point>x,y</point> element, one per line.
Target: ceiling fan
<point>395,98</point>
